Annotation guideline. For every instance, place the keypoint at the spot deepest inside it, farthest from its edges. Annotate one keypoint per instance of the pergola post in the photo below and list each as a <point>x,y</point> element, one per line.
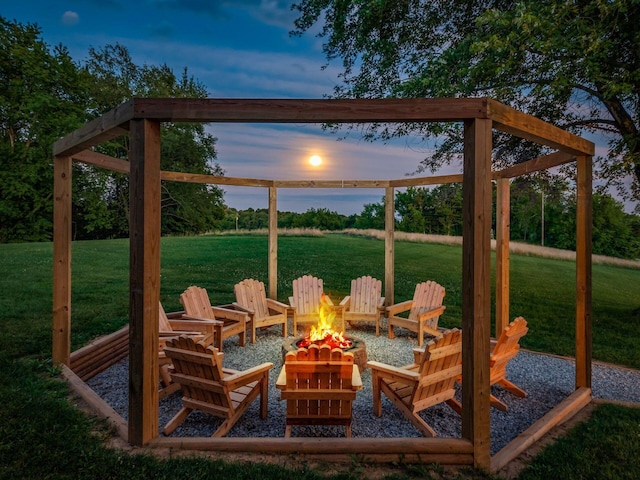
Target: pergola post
<point>61,345</point>
<point>273,242</point>
<point>389,256</point>
<point>144,264</point>
<point>583,271</point>
<point>503,222</point>
<point>476,289</point>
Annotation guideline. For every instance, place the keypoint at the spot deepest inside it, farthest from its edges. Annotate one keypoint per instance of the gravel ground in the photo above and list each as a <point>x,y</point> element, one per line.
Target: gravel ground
<point>546,379</point>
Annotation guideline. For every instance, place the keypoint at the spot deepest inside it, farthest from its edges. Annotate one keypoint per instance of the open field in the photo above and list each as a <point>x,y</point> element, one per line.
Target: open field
<point>542,291</point>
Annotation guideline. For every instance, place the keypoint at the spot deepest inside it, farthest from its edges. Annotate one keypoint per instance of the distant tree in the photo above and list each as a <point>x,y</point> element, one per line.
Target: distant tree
<point>40,100</point>
<point>572,63</point>
<point>372,216</point>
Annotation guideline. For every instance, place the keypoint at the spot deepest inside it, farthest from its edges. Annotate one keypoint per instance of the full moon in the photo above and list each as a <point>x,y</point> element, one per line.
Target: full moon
<point>315,160</point>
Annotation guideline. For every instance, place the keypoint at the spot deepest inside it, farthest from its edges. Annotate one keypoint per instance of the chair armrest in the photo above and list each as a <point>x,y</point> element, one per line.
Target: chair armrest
<point>434,312</point>
<point>241,308</point>
<point>345,301</point>
<point>356,380</point>
<point>188,325</point>
<point>281,382</point>
<point>417,355</point>
<point>292,302</point>
<point>400,307</point>
<point>381,303</point>
<point>277,306</point>
<point>394,372</point>
<point>200,319</point>
<point>247,376</point>
<point>229,314</point>
<point>329,302</point>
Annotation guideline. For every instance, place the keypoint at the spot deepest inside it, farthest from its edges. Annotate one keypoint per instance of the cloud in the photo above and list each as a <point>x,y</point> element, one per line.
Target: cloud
<point>162,31</point>
<point>70,18</point>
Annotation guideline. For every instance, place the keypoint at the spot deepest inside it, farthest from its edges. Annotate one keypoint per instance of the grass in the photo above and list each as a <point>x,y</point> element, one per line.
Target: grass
<point>43,436</point>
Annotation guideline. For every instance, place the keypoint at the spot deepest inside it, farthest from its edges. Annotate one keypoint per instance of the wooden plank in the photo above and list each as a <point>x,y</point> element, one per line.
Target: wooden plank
<point>273,243</point>
<point>144,280</point>
<point>389,261</point>
<point>62,217</point>
<point>110,125</point>
<point>309,110</point>
<point>476,288</point>
<point>557,415</point>
<point>583,272</point>
<point>331,183</point>
<point>503,224</point>
<point>103,161</point>
<point>419,181</point>
<point>99,406</point>
<point>535,165</point>
<point>449,447</point>
<point>531,128</point>
<point>214,179</point>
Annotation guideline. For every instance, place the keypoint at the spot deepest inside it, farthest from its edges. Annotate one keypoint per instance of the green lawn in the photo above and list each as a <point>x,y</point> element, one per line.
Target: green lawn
<point>542,290</point>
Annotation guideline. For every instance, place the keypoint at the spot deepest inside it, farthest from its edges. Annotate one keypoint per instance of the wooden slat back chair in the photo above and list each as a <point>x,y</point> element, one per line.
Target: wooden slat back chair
<point>365,302</point>
<point>424,311</point>
<point>505,349</point>
<point>208,387</point>
<point>264,312</point>
<point>195,301</point>
<point>305,302</point>
<point>319,385</point>
<point>430,380</point>
<point>172,325</point>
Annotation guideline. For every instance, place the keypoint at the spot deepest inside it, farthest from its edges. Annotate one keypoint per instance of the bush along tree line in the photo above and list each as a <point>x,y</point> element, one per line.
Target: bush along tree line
<point>47,95</point>
<point>438,211</point>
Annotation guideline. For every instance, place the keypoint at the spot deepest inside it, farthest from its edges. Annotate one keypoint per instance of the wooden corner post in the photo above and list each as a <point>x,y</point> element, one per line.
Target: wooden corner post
<point>144,238</point>
<point>61,347</point>
<point>583,272</point>
<point>503,208</point>
<point>273,242</point>
<point>389,247</point>
<point>476,289</point>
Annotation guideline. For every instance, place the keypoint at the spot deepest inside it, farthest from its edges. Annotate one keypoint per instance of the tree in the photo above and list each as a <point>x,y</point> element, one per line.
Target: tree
<point>572,63</point>
<point>40,101</point>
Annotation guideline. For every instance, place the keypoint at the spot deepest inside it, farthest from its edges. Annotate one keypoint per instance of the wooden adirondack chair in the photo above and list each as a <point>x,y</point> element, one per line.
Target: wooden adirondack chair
<point>210,388</point>
<point>306,300</point>
<point>264,312</point>
<point>430,380</point>
<point>197,306</point>
<point>424,311</point>
<point>172,325</point>
<point>319,386</point>
<point>505,349</point>
<point>365,303</point>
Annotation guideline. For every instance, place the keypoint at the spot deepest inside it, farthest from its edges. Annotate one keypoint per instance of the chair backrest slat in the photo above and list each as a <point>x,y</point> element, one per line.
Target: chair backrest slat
<point>442,359</point>
<point>195,301</point>
<point>307,294</point>
<point>365,294</point>
<point>427,296</point>
<point>251,293</point>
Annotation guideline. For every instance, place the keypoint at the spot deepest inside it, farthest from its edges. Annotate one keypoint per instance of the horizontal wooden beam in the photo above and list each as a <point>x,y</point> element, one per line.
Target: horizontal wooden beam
<point>562,412</point>
<point>110,125</point>
<point>535,165</point>
<point>103,161</point>
<point>214,179</point>
<point>531,128</point>
<point>310,110</point>
<point>331,183</point>
<point>420,181</point>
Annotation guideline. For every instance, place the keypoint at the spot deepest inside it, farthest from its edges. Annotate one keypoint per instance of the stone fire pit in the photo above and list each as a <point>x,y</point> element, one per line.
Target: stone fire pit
<point>358,349</point>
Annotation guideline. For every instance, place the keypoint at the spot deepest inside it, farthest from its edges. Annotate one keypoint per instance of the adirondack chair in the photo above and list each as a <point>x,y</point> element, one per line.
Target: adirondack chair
<point>210,388</point>
<point>172,325</point>
<point>264,312</point>
<point>306,300</point>
<point>506,348</point>
<point>424,311</point>
<point>365,303</point>
<point>428,381</point>
<point>319,386</point>
<point>197,306</point>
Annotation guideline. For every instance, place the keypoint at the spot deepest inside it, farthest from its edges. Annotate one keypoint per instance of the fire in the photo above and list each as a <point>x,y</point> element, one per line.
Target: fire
<point>323,332</point>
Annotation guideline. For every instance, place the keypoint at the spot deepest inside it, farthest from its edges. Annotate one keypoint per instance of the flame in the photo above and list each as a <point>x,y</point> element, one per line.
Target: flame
<point>323,332</point>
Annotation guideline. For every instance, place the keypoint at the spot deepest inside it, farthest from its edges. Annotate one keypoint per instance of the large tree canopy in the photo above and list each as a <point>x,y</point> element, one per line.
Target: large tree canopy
<point>573,63</point>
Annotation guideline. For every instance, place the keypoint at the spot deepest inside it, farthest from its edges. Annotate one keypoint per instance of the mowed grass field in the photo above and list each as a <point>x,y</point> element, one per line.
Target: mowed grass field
<point>542,289</point>
<point>44,436</point>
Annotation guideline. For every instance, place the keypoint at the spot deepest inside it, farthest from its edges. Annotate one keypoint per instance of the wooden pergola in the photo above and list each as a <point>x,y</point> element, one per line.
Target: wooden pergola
<point>141,119</point>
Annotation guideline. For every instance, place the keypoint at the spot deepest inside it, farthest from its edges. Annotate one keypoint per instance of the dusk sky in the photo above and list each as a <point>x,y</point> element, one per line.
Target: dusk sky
<point>239,49</point>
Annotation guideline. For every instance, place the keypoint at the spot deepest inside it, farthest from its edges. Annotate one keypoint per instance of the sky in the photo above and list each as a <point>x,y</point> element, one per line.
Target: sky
<point>236,49</point>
